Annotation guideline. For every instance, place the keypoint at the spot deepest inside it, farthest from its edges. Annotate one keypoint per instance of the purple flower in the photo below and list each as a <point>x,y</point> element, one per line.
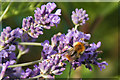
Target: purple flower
<point>48,50</point>
<point>88,58</point>
<point>102,65</point>
<point>48,68</point>
<point>26,74</point>
<point>76,36</point>
<point>72,47</point>
<point>43,19</point>
<point>7,55</point>
<point>13,73</point>
<point>93,46</point>
<point>27,38</point>
<point>63,42</point>
<point>30,27</point>
<point>4,67</point>
<point>9,36</point>
<point>87,53</point>
<point>79,16</point>
<point>12,48</point>
<point>10,58</point>
<point>76,50</point>
<point>44,16</point>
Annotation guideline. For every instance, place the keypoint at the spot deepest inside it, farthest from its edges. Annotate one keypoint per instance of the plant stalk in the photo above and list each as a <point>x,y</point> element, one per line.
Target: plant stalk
<point>30,43</point>
<point>24,64</point>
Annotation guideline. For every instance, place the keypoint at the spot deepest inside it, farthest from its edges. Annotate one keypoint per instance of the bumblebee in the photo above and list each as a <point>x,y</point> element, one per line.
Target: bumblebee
<point>74,52</point>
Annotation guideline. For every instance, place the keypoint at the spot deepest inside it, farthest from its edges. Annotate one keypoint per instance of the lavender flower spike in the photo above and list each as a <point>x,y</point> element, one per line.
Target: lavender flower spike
<point>74,48</point>
<point>30,27</point>
<point>44,16</point>
<point>48,68</point>
<point>79,16</point>
<point>8,36</point>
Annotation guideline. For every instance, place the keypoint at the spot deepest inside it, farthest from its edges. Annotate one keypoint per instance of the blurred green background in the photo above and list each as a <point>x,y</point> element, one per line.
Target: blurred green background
<point>103,26</point>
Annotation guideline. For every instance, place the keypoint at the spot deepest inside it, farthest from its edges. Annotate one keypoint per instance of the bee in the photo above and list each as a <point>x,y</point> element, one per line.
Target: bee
<point>74,52</point>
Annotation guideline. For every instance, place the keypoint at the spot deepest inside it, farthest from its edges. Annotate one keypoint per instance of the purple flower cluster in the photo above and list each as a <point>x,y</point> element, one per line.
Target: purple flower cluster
<point>48,50</point>
<point>63,42</point>
<point>7,47</point>
<point>62,45</point>
<point>48,68</point>
<point>79,16</point>
<point>12,73</point>
<point>90,56</point>
<point>8,40</point>
<point>43,19</point>
<point>7,57</point>
<point>44,16</point>
<point>31,27</point>
<point>8,36</point>
<point>65,45</point>
<point>72,47</point>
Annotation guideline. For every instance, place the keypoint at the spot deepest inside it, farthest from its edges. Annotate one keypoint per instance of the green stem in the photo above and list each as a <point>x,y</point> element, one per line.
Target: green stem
<point>35,77</point>
<point>76,26</point>
<point>19,55</point>
<point>69,72</point>
<point>38,76</point>
<point>26,43</point>
<point>30,43</point>
<point>5,11</point>
<point>25,64</point>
